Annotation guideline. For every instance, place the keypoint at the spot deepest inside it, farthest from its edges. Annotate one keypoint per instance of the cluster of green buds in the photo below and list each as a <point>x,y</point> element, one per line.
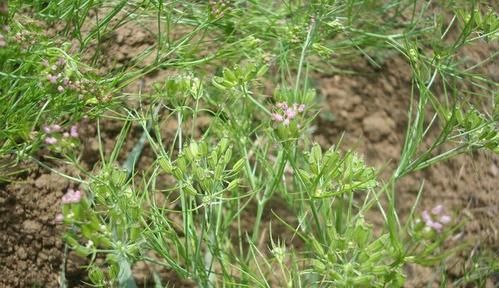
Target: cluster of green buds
<point>107,220</point>
<point>204,173</point>
<point>179,89</point>
<point>355,259</point>
<point>239,75</point>
<point>331,174</point>
<point>478,131</point>
<point>486,22</point>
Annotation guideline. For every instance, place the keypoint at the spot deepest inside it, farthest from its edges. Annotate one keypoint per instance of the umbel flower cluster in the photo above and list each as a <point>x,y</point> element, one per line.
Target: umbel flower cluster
<point>71,197</point>
<point>435,219</point>
<point>285,113</point>
<point>54,129</point>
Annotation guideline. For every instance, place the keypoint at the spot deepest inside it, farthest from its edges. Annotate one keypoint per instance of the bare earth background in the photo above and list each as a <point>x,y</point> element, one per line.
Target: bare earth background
<point>369,108</point>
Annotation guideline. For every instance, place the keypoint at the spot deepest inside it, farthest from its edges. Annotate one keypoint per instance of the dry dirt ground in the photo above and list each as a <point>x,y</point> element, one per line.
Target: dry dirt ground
<point>370,109</point>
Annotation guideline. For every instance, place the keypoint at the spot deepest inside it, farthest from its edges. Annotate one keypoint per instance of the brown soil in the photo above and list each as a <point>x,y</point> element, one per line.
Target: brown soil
<point>370,109</point>
<point>32,248</point>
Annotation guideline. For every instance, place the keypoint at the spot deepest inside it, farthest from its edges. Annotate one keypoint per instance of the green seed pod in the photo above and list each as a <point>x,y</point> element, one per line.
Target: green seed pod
<point>81,250</point>
<point>335,275</point>
<point>315,155</point>
<point>96,276</point>
<point>135,232</point>
<point>198,172</point>
<point>182,164</point>
<point>363,257</point>
<point>377,245</point>
<point>118,176</point>
<point>203,149</point>
<point>229,76</point>
<point>319,266</point>
<point>165,164</point>
<point>218,172</point>
<point>70,240</point>
<point>376,256</point>
<point>330,160</point>
<point>233,184</point>
<point>196,88</point>
<point>380,269</point>
<point>194,149</point>
<point>206,184</point>
<point>331,256</point>
<point>104,242</point>
<point>223,145</point>
<point>213,159</point>
<point>305,175</point>
<point>218,82</point>
<point>178,173</point>
<point>187,154</point>
<point>227,156</point>
<point>361,234</point>
<point>363,280</point>
<point>317,247</point>
<point>238,165</point>
<point>189,190</point>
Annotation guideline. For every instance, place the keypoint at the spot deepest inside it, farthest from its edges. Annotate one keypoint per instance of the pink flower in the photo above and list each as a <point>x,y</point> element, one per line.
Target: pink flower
<point>290,113</point>
<point>71,196</point>
<point>61,62</point>
<point>50,140</point>
<point>55,128</point>
<point>437,210</point>
<point>286,122</point>
<point>277,117</point>
<point>426,216</point>
<point>59,218</point>
<point>438,220</point>
<point>52,79</point>
<point>435,225</point>
<point>282,105</point>
<point>445,219</point>
<point>47,129</point>
<point>301,108</point>
<point>74,131</point>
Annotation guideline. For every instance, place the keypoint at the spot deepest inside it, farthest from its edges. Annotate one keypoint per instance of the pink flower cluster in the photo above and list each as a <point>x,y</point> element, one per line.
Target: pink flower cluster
<point>436,219</point>
<point>218,7</point>
<point>72,196</point>
<point>56,77</point>
<point>54,128</point>
<point>286,113</point>
<point>59,218</point>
